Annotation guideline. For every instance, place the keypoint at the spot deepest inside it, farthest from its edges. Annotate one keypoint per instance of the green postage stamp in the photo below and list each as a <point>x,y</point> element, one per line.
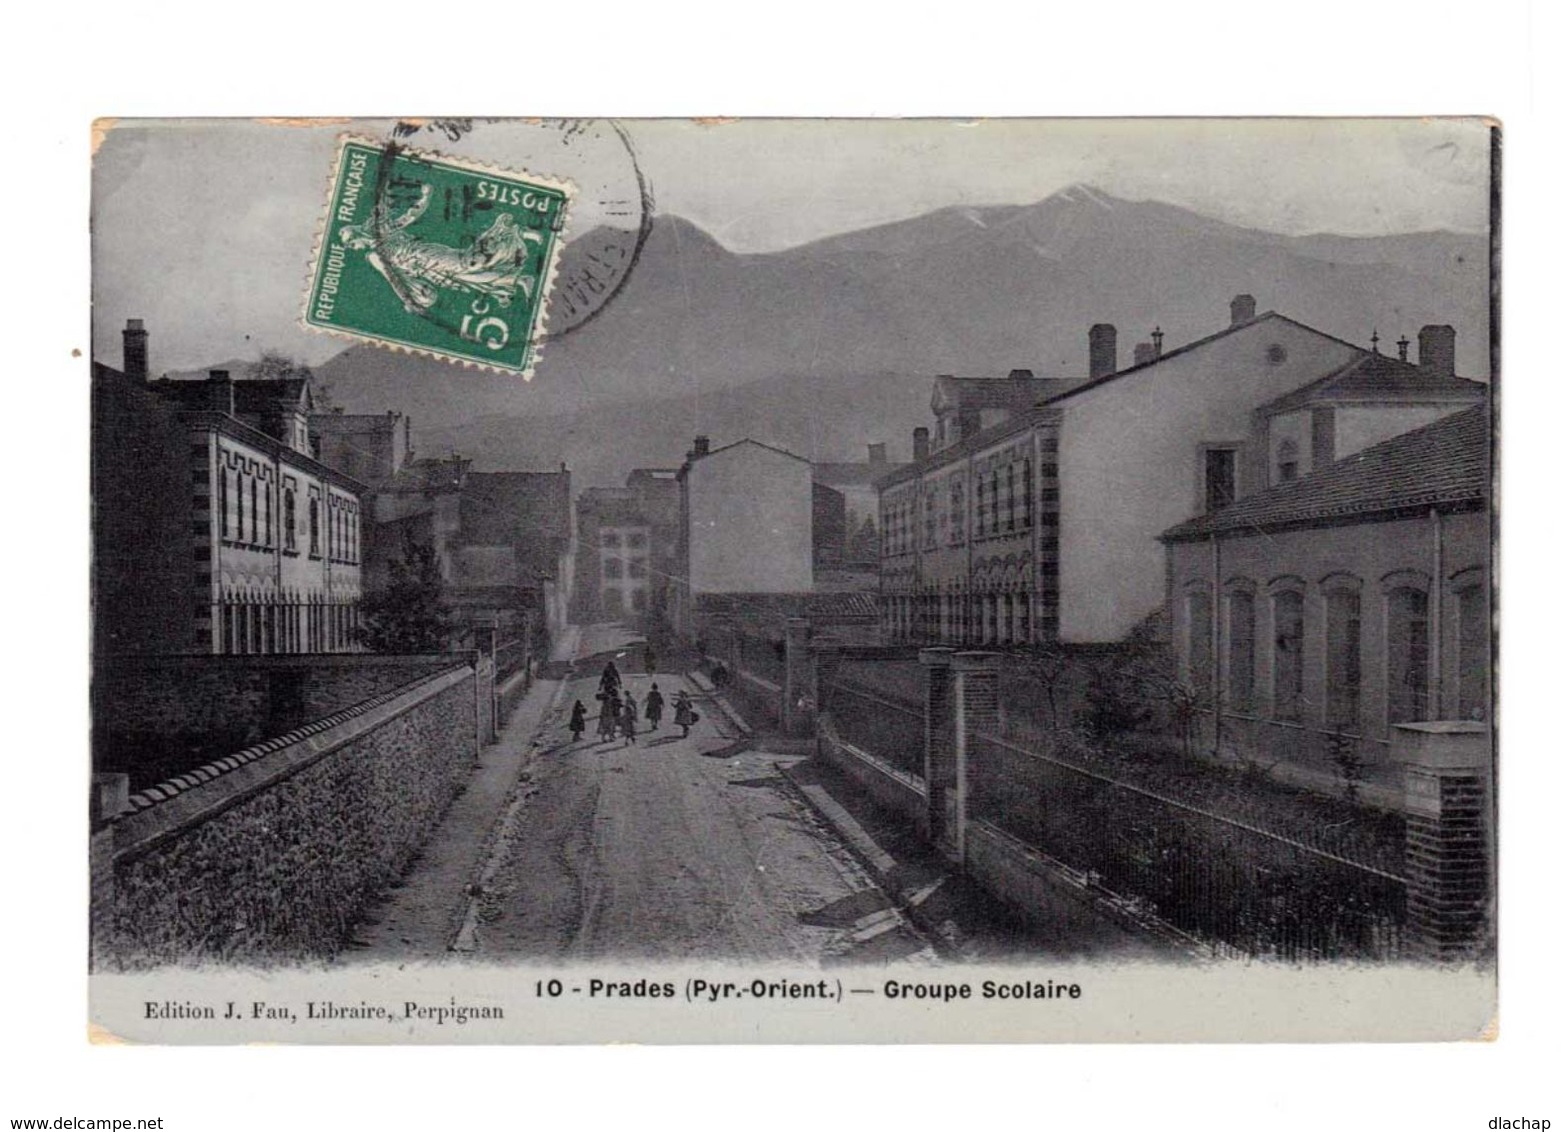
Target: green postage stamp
<point>437,256</point>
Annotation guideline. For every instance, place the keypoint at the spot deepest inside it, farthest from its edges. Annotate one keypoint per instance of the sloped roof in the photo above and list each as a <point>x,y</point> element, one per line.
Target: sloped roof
<point>751,440</point>
<point>1198,343</point>
<point>511,508</point>
<point>768,611</point>
<point>987,392</point>
<point>1444,464</point>
<point>1377,377</point>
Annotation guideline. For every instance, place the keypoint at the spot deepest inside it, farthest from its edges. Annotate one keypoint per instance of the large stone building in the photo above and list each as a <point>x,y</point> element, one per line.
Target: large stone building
<point>1313,615</point>
<point>745,524</point>
<point>1040,522</point>
<point>215,527</point>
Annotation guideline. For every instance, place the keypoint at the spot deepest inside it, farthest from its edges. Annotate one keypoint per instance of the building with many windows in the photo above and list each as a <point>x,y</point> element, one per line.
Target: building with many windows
<point>215,528</point>
<point>628,548</point>
<point>1041,523</point>
<point>1312,616</point>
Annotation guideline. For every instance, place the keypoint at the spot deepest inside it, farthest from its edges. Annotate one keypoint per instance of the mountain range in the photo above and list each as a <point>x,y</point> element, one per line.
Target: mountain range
<point>825,347</point>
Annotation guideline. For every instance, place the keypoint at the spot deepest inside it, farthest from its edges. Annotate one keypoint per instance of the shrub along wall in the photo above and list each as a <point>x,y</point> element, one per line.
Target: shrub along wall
<point>272,853</point>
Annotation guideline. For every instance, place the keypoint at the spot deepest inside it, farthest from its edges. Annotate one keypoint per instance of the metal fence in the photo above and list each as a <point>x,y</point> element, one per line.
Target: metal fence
<point>884,727</point>
<point>1243,889</point>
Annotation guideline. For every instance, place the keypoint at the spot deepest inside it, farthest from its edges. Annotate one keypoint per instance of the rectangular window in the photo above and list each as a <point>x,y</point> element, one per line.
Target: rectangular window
<point>290,519</point>
<point>1289,652</point>
<point>268,514</point>
<point>222,504</point>
<point>1243,639</point>
<point>238,480</point>
<point>1029,497</point>
<point>1012,497</point>
<point>254,511</point>
<point>314,528</point>
<point>1219,478</point>
<point>1473,652</point>
<point>980,507</point>
<point>1343,616</point>
<point>1409,684</point>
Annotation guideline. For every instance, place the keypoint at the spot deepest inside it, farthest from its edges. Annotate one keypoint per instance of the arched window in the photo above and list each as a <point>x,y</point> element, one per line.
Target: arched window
<point>1200,641</point>
<point>1409,648</point>
<point>1473,647</point>
<point>1342,626</point>
<point>1289,654</point>
<point>1241,648</point>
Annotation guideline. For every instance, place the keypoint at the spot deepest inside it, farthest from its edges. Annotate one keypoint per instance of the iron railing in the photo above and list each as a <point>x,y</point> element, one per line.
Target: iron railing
<point>1243,889</point>
<point>887,728</point>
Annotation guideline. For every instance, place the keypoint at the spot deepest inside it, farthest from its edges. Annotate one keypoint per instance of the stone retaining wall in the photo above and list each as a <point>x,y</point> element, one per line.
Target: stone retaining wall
<point>273,852</point>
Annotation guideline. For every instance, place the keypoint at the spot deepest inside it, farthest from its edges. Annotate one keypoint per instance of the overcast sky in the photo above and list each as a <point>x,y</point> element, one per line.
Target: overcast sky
<point>204,229</point>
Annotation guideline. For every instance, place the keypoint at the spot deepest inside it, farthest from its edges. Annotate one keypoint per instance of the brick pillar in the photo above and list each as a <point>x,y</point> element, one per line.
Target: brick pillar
<point>799,694</point>
<point>110,797</point>
<point>937,763</point>
<point>975,711</point>
<point>1449,850</point>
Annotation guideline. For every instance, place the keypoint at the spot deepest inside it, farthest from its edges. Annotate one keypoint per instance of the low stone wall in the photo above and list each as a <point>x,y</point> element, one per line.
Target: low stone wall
<point>273,852</point>
<point>894,790</point>
<point>154,717</point>
<point>1058,900</point>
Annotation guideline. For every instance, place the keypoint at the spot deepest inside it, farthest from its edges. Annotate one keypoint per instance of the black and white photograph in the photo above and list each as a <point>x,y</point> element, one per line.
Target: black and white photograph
<point>796,579</point>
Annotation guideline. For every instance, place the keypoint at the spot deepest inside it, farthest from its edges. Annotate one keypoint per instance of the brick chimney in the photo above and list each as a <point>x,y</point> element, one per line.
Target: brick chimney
<point>135,349</point>
<point>1102,349</point>
<point>701,446</point>
<point>219,391</point>
<point>1143,353</point>
<point>1436,350</point>
<point>1243,308</point>
<point>877,455</point>
<point>921,444</point>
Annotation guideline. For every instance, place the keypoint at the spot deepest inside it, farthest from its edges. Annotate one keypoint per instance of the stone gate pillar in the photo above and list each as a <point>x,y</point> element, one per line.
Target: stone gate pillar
<point>1450,846</point>
<point>975,711</point>
<point>937,763</point>
<point>799,693</point>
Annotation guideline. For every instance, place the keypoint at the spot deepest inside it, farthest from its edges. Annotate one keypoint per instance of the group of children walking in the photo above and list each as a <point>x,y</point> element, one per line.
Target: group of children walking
<point>620,713</point>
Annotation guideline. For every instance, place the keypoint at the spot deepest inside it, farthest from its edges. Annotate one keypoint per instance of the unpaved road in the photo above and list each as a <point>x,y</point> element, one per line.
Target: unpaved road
<point>673,849</point>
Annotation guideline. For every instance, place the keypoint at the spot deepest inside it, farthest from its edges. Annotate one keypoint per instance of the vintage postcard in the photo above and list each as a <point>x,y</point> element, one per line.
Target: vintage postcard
<point>793,580</point>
